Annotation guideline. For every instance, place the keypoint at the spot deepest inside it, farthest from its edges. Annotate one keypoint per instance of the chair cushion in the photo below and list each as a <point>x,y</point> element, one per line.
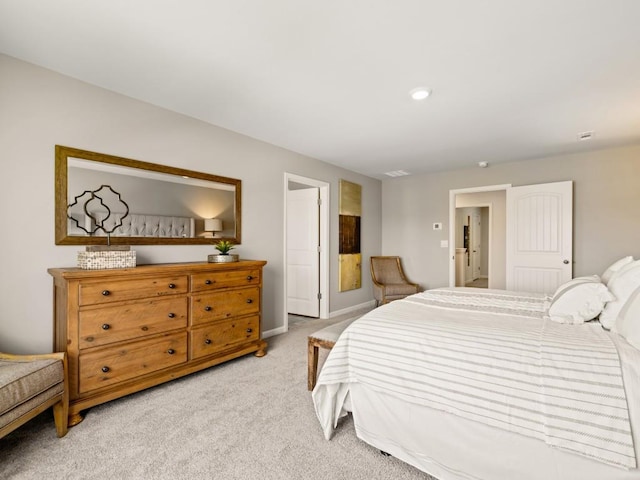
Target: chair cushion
<point>399,289</point>
<point>21,381</point>
<point>332,332</point>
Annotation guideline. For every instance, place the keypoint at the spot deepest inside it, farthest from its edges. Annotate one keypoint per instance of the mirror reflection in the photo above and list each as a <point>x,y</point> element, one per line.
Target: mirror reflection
<point>166,205</point>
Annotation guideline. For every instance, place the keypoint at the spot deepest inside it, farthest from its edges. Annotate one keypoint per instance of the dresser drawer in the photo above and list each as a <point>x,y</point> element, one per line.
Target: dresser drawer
<point>92,293</point>
<point>201,282</point>
<point>220,305</point>
<point>104,325</point>
<point>221,335</point>
<point>127,361</point>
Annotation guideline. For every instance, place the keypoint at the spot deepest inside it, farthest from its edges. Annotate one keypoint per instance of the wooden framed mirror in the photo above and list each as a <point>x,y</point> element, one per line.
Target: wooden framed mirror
<point>158,198</point>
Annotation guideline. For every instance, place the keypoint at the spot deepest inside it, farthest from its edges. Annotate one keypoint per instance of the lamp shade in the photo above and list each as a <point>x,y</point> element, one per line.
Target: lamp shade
<point>212,225</point>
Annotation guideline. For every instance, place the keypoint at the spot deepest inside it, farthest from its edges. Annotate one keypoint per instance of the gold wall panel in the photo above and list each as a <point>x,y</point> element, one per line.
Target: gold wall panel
<point>350,272</point>
<point>350,209</point>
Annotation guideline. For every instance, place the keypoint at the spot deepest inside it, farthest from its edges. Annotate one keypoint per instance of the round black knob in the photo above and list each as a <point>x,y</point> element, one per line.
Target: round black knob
<point>172,285</point>
<point>249,277</point>
<point>171,351</point>
<point>249,300</point>
<point>105,369</point>
<point>106,293</point>
<point>207,282</point>
<point>172,315</point>
<point>208,341</point>
<point>106,326</point>
<point>249,330</point>
<point>207,308</point>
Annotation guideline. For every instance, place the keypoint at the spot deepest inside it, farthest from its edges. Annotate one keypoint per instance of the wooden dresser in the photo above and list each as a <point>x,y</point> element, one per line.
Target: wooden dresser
<point>125,330</point>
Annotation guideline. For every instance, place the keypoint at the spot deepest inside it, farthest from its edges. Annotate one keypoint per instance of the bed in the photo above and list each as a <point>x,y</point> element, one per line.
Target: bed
<point>142,225</point>
<point>488,384</point>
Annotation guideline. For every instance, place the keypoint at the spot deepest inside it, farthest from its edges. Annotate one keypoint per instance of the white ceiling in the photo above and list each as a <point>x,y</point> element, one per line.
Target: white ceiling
<point>330,79</point>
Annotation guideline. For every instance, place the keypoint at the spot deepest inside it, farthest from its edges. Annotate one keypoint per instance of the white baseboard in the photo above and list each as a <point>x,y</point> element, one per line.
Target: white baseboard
<point>354,308</point>
<point>337,313</point>
<point>274,331</point>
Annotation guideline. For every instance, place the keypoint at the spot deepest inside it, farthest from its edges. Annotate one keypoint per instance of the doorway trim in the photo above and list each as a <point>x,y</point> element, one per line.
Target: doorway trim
<point>324,190</point>
<point>452,224</point>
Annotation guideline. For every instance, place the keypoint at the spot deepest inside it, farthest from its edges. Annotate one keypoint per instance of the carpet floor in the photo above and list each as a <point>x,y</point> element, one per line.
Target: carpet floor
<point>251,418</point>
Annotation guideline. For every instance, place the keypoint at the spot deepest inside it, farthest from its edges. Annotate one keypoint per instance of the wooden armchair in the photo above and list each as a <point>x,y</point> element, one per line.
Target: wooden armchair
<point>30,384</point>
<point>389,280</point>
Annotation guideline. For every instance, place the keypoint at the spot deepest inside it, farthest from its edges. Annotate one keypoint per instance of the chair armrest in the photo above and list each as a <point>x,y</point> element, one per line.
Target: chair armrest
<point>42,356</point>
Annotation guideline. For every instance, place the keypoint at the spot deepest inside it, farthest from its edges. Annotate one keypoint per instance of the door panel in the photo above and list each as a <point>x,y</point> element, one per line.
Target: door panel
<point>303,257</point>
<point>539,236</point>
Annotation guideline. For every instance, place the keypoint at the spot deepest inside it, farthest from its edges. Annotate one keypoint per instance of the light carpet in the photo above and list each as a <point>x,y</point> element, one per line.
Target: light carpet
<point>251,418</point>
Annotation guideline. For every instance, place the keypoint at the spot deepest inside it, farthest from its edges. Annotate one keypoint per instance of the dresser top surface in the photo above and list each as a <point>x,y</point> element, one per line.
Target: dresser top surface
<point>156,268</point>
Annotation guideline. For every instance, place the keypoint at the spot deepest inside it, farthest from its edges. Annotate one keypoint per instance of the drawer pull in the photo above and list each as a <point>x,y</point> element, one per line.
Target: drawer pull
<point>106,326</point>
<point>249,330</point>
<point>249,300</point>
<point>172,315</point>
<point>172,285</point>
<point>208,282</point>
<point>105,369</point>
<point>208,341</point>
<point>106,293</point>
<point>207,308</point>
<point>249,277</point>
<point>171,351</point>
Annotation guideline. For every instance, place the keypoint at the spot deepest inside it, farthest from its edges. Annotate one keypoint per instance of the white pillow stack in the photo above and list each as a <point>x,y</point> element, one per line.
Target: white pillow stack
<point>579,300</point>
<point>616,266</point>
<point>622,285</point>
<point>628,322</point>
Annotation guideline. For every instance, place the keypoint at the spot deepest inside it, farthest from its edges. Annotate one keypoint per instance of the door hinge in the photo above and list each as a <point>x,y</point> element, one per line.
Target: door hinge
<point>319,296</point>
<point>319,201</point>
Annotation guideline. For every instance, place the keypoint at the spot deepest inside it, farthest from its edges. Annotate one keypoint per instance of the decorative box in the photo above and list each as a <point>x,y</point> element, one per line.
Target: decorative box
<point>106,259</point>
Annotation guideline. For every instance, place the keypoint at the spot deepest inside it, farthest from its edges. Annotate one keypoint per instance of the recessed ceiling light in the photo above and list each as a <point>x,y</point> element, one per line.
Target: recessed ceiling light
<point>420,93</point>
<point>483,164</point>
<point>397,173</point>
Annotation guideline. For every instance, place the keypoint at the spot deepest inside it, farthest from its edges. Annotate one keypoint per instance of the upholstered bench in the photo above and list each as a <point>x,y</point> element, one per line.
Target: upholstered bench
<point>30,384</point>
<point>325,338</point>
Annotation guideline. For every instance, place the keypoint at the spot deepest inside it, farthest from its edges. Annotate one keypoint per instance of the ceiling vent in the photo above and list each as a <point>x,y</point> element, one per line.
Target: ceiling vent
<point>397,173</point>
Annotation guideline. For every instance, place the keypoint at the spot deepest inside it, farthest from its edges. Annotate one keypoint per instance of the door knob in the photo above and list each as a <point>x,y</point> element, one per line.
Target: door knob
<point>566,262</point>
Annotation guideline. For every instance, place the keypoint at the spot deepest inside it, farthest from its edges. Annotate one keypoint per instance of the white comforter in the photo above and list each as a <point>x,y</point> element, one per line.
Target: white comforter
<point>488,356</point>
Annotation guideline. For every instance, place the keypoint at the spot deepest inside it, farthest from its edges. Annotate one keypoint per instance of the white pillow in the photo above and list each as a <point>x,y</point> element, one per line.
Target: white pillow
<point>579,300</point>
<point>622,284</point>
<point>606,276</point>
<point>628,323</point>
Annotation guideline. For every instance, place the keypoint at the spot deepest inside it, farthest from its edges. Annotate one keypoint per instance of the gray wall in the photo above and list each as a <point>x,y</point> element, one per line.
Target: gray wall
<point>40,108</point>
<point>606,200</point>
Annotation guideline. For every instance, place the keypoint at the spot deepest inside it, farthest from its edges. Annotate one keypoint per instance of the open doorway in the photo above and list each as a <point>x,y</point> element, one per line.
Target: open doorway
<point>306,247</point>
<point>489,240</point>
<point>472,246</point>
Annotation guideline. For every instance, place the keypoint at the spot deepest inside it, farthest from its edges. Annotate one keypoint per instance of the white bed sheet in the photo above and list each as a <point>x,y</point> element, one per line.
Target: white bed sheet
<point>453,448</point>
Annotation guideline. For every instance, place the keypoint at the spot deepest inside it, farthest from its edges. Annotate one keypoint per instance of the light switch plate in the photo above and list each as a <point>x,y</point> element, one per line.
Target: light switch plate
<point>444,243</point>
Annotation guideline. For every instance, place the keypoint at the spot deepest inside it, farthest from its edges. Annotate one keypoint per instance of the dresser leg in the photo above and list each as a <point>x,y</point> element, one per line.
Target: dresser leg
<point>75,419</point>
<point>262,351</point>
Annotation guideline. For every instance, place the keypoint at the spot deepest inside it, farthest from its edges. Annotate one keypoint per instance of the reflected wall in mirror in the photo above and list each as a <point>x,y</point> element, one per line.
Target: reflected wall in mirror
<point>168,206</point>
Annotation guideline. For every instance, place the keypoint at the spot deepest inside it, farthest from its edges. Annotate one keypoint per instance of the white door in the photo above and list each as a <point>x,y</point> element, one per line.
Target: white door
<point>303,256</point>
<point>539,236</point>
